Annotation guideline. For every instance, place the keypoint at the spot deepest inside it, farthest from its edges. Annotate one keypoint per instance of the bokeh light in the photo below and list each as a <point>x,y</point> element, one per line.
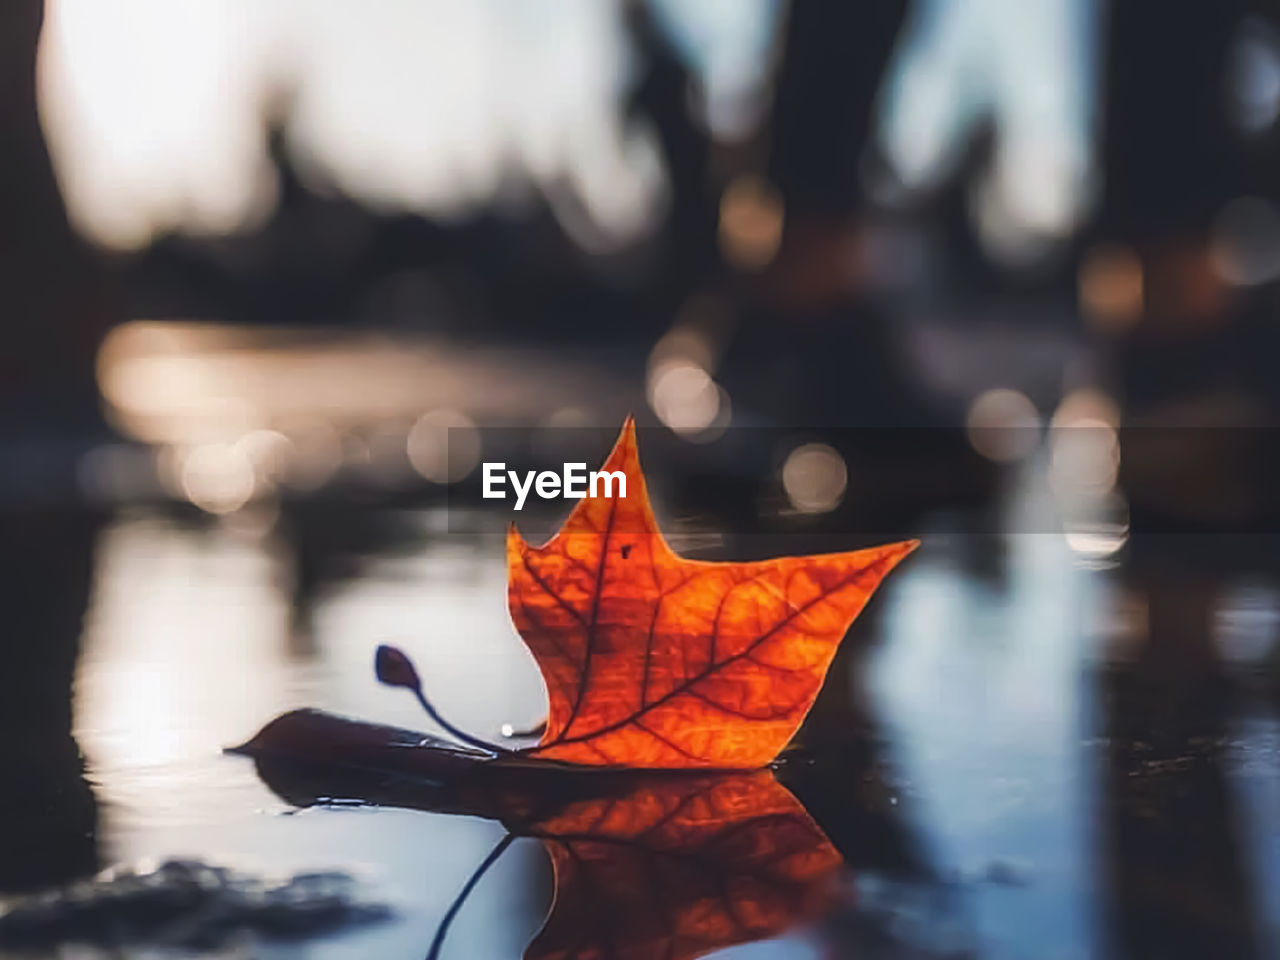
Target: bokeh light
<point>218,477</point>
<point>316,450</point>
<point>271,454</point>
<point>1253,76</point>
<point>1003,425</point>
<point>684,397</point>
<point>1085,405</point>
<point>679,383</point>
<point>751,215</point>
<point>1085,459</point>
<point>1111,287</point>
<point>444,446</point>
<point>815,478</point>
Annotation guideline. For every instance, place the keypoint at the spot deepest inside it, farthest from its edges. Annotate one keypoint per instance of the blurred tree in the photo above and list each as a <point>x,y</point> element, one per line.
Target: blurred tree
<point>52,293</point>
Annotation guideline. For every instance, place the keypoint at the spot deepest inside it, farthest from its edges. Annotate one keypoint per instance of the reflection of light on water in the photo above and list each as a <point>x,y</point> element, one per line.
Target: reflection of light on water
<point>1097,540</point>
<point>144,720</point>
<point>1003,425</point>
<point>444,446</point>
<point>1246,624</point>
<point>183,654</point>
<point>814,477</point>
<point>1253,778</point>
<point>978,686</point>
<point>1084,466</point>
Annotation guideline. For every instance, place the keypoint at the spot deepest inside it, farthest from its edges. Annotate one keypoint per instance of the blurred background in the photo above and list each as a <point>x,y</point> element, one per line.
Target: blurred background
<point>275,277</point>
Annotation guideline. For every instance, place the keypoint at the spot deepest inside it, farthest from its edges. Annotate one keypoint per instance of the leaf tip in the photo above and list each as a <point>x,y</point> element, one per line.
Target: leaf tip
<point>627,436</point>
<point>515,541</point>
<point>895,553</point>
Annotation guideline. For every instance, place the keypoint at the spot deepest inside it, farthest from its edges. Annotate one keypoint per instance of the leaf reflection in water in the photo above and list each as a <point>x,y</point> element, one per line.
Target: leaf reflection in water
<point>646,865</point>
<point>679,867</point>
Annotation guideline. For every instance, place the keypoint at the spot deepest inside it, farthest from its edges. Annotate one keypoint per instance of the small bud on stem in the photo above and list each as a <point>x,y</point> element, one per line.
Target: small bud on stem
<point>395,669</point>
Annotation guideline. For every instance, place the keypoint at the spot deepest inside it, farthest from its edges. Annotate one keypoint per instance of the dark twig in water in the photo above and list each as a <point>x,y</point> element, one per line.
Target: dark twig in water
<point>437,942</point>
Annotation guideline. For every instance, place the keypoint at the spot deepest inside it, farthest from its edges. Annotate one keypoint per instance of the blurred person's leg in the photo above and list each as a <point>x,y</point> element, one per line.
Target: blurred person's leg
<point>834,60</point>
<point>51,320</point>
<point>834,63</point>
<point>816,346</point>
<point>812,344</point>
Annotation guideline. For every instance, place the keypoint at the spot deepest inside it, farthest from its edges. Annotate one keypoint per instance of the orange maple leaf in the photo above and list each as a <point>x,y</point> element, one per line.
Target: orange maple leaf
<point>652,660</point>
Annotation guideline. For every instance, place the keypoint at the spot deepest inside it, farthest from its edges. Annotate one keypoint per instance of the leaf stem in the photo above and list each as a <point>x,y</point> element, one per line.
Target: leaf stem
<point>437,942</point>
<point>460,734</point>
